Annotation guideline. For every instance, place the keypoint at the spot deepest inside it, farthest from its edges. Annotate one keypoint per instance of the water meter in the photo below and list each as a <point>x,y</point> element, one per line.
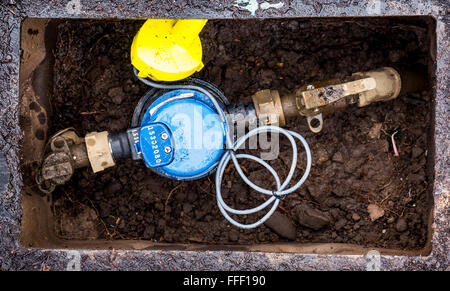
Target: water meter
<point>181,135</point>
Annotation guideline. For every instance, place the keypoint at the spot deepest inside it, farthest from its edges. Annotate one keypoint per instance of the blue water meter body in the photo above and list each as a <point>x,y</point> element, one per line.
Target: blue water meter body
<point>181,135</point>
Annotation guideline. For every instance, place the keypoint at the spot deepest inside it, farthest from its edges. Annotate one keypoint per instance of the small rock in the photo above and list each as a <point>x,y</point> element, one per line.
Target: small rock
<point>117,95</point>
<point>310,217</point>
<point>281,225</point>
<point>401,225</point>
<point>340,224</point>
<point>321,155</point>
<point>319,192</point>
<point>338,157</point>
<point>375,212</point>
<point>356,217</point>
<point>391,220</point>
<point>374,132</point>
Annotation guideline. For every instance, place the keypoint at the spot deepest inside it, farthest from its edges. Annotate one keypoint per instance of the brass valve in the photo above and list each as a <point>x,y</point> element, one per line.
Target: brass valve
<point>66,151</point>
<point>317,99</point>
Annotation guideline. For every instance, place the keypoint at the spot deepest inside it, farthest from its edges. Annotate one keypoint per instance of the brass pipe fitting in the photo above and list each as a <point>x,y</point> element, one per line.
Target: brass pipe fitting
<point>387,86</point>
<point>317,99</point>
<point>66,152</point>
<point>99,151</point>
<point>268,107</point>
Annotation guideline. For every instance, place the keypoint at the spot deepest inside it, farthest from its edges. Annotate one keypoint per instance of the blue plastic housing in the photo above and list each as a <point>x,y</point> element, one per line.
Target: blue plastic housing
<point>195,130</point>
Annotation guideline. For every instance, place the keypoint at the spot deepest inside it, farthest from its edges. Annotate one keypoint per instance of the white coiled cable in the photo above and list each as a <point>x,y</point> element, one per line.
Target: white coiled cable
<point>276,195</point>
<point>230,153</point>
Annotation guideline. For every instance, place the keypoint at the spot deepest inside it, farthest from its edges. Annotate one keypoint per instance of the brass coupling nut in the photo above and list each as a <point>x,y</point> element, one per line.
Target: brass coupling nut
<point>99,151</point>
<point>268,107</point>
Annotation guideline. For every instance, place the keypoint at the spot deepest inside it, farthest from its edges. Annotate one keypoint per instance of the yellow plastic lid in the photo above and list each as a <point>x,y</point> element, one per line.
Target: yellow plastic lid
<point>168,49</point>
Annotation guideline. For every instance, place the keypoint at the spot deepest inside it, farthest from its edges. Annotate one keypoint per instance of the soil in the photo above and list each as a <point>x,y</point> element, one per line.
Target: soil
<point>353,159</point>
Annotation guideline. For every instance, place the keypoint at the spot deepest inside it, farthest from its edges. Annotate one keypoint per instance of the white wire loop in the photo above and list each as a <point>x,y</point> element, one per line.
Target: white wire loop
<point>275,195</point>
<point>230,154</point>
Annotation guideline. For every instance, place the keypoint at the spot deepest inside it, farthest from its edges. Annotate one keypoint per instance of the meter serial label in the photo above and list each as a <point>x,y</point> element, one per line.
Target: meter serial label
<point>156,145</point>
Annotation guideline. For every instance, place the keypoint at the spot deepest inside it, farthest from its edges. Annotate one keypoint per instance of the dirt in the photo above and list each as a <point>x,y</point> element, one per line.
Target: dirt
<point>354,165</point>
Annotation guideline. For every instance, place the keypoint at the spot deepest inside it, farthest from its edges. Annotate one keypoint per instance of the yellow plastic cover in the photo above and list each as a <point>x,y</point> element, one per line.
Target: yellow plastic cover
<point>168,49</point>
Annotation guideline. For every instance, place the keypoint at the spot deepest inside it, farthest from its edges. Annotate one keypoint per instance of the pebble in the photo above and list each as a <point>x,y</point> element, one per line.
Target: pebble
<point>322,155</point>
<point>319,192</point>
<point>282,226</point>
<point>356,217</point>
<point>338,157</point>
<point>401,225</point>
<point>310,217</point>
<point>375,212</point>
